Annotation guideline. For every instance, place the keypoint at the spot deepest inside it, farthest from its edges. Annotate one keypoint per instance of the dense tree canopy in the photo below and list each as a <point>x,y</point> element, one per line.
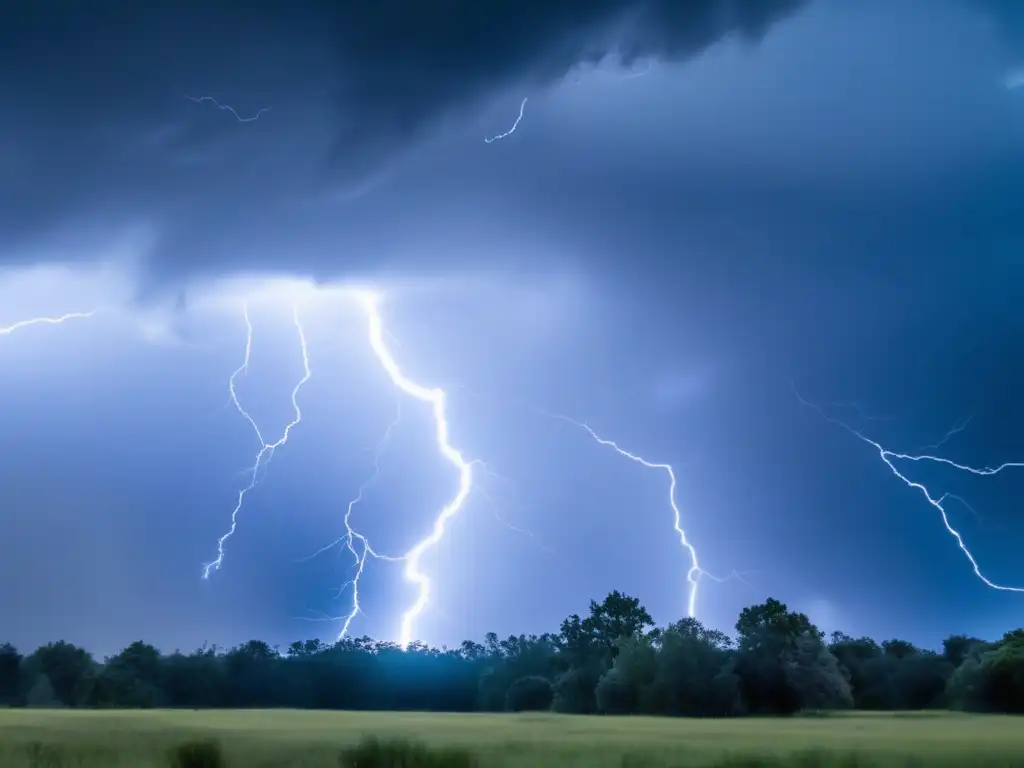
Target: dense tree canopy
<point>613,660</point>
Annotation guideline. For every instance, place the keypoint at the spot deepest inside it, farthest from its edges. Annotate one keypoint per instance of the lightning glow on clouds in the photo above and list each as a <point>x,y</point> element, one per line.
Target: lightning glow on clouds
<point>225,297</point>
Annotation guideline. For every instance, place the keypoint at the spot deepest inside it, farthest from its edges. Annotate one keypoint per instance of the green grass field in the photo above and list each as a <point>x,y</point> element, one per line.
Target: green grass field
<point>54,738</point>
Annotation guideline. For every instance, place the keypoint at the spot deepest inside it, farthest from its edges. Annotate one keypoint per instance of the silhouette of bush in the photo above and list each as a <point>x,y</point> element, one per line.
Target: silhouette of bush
<point>529,694</point>
<point>39,755</point>
<point>399,753</point>
<point>197,754</point>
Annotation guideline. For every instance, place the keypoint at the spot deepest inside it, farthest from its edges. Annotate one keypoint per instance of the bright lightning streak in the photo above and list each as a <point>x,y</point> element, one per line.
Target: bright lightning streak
<point>436,398</point>
<point>244,369</point>
<point>351,535</point>
<point>511,130</point>
<point>889,457</point>
<point>44,321</point>
<point>228,108</point>
<point>267,449</point>
<point>695,572</point>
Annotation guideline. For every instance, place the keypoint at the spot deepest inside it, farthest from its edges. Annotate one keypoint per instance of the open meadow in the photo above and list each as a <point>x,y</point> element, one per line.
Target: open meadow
<point>53,738</point>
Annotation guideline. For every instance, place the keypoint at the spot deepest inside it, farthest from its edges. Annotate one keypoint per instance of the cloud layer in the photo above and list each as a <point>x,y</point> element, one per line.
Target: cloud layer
<point>108,135</point>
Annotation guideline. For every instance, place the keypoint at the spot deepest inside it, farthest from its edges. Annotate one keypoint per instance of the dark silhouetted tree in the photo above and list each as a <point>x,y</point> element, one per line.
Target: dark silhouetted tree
<point>10,674</point>
<point>531,693</point>
<point>611,660</point>
<point>68,669</point>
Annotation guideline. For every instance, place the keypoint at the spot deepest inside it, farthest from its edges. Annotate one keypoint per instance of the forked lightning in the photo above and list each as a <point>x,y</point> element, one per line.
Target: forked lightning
<point>266,451</point>
<point>436,399</point>
<point>889,457</point>
<point>351,536</point>
<point>695,573</point>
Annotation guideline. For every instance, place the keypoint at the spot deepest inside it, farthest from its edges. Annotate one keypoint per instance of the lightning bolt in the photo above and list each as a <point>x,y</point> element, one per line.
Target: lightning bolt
<point>890,457</point>
<point>694,574</point>
<point>244,369</point>
<point>511,130</point>
<point>437,400</point>
<point>228,108</point>
<point>266,451</point>
<point>57,320</point>
<point>352,536</point>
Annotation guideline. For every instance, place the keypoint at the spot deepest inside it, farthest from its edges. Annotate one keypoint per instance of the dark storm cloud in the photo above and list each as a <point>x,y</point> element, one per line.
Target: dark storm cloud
<point>98,133</point>
<point>416,60</point>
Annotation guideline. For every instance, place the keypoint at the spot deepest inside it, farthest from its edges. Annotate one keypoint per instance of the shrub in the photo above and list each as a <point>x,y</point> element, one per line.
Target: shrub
<point>39,755</point>
<point>398,753</point>
<point>531,693</point>
<point>197,754</point>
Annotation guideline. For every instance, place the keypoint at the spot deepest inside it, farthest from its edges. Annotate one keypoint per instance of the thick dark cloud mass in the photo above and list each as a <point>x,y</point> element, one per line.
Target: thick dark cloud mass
<point>99,134</point>
<point>417,60</point>
<point>827,192</point>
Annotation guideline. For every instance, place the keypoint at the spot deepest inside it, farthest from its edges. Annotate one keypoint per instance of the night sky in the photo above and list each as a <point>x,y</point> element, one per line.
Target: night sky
<point>704,204</point>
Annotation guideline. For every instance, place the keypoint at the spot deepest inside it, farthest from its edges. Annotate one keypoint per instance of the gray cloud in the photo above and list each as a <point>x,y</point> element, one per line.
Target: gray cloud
<point>417,60</point>
<point>100,134</point>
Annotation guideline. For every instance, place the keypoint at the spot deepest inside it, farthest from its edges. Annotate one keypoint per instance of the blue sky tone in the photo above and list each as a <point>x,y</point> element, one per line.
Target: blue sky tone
<point>702,204</point>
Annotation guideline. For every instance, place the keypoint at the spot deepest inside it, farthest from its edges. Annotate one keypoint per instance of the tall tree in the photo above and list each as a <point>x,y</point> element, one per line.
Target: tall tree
<point>782,662</point>
<point>610,660</point>
<point>66,667</point>
<point>695,673</point>
<point>10,674</point>
<point>131,678</point>
<point>956,648</point>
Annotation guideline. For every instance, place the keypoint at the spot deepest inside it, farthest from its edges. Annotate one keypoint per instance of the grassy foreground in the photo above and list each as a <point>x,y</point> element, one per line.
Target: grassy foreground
<point>53,738</point>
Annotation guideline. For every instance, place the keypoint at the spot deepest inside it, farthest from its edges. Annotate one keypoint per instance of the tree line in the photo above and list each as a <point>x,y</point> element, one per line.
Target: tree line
<point>613,660</point>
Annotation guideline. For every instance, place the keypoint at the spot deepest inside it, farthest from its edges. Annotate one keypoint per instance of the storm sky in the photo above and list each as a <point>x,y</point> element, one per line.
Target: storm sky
<point>703,204</point>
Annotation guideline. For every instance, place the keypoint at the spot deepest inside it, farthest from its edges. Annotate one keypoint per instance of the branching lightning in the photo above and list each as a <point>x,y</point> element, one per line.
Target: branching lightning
<point>266,451</point>
<point>695,573</point>
<point>890,457</point>
<point>511,130</point>
<point>437,399</point>
<point>352,536</point>
<point>57,320</point>
<point>356,543</point>
<point>359,547</point>
<point>228,108</point>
